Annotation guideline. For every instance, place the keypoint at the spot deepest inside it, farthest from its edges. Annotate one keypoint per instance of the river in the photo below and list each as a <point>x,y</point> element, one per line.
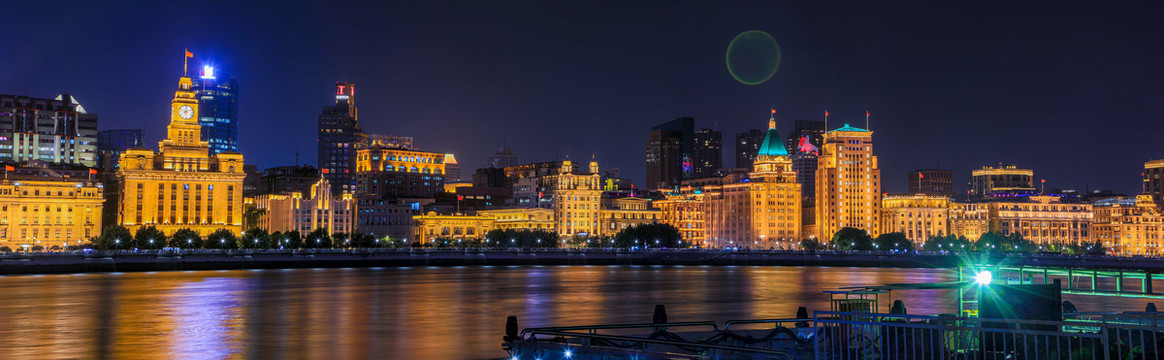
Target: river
<point>403,313</point>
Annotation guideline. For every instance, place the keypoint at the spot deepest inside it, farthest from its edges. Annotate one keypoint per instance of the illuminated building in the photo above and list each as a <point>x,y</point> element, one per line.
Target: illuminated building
<point>670,153</point>
<point>971,219</point>
<point>52,130</point>
<point>1042,219</point>
<point>182,185</point>
<point>848,183</point>
<point>918,216</point>
<point>383,218</point>
<point>340,137</point>
<point>49,212</point>
<point>452,187</point>
<point>708,153</point>
<point>931,182</point>
<point>452,169</point>
<point>385,173</point>
<point>392,141</point>
<point>1153,184</point>
<point>620,213</point>
<point>288,212</point>
<point>431,226</point>
<point>521,218</point>
<point>747,146</point>
<point>684,212</point>
<point>1001,180</point>
<point>576,198</point>
<point>761,210</point>
<point>1129,227</point>
<point>217,110</point>
<point>528,181</point>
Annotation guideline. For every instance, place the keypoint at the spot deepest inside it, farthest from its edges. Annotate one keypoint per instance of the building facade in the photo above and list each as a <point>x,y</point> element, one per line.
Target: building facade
<point>1043,220</point>
<point>970,219</point>
<point>51,130</point>
<point>575,197</point>
<point>430,226</point>
<point>708,156</point>
<point>918,216</point>
<point>49,212</point>
<point>1153,177</point>
<point>318,210</point>
<point>931,182</point>
<point>288,179</point>
<point>620,213</point>
<point>521,218</point>
<point>848,183</point>
<point>684,212</point>
<point>340,137</point>
<point>503,158</point>
<point>385,219</point>
<point>1129,227</point>
<point>182,185</point>
<point>217,110</point>
<point>805,133</point>
<point>385,173</point>
<point>670,153</point>
<point>761,209</point>
<point>1001,180</point>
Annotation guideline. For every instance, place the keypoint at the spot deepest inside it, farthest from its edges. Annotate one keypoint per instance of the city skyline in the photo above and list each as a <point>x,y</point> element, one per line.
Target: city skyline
<point>476,86</point>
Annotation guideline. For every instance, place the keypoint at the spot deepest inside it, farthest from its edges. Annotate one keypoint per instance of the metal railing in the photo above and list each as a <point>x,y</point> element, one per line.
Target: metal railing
<point>843,335</point>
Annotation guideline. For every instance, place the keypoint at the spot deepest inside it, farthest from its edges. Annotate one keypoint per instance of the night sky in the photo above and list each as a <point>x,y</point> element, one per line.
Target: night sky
<point>1073,92</point>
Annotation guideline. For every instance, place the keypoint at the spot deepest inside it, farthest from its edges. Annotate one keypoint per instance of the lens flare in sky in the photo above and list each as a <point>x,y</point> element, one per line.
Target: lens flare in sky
<point>753,57</point>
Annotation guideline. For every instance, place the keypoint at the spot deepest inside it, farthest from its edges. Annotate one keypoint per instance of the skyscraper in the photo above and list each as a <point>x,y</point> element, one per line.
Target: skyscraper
<point>708,152</point>
<point>50,130</point>
<point>1153,184</point>
<point>848,183</point>
<point>340,137</point>
<point>503,158</point>
<point>747,145</point>
<point>810,130</point>
<point>111,143</point>
<point>670,148</point>
<point>218,110</point>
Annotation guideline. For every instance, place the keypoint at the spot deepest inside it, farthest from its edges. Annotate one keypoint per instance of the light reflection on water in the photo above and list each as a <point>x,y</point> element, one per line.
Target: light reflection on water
<point>415,313</point>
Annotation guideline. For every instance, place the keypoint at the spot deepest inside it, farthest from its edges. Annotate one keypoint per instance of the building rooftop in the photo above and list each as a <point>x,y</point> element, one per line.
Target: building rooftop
<point>848,127</point>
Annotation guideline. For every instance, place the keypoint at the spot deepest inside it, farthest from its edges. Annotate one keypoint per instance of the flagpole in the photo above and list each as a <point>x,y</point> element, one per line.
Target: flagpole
<point>185,64</point>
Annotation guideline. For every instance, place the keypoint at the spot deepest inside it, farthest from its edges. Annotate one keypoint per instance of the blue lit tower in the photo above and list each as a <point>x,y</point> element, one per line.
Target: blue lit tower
<point>218,110</point>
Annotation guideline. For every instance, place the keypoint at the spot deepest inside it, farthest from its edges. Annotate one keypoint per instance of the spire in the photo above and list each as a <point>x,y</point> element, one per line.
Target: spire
<point>772,121</point>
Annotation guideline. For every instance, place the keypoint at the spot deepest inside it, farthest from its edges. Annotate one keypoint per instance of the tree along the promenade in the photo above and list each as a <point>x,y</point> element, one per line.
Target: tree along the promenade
<point>948,243</point>
<point>340,240</point>
<point>810,244</point>
<point>288,240</point>
<point>361,240</point>
<point>996,242</point>
<point>650,235</point>
<point>522,238</point>
<point>852,239</point>
<point>317,239</point>
<point>892,241</point>
<point>186,239</point>
<point>114,237</point>
<point>222,239</point>
<point>255,238</point>
<point>149,237</point>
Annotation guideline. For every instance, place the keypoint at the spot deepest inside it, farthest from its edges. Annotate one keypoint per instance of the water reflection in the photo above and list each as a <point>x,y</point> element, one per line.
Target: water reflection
<point>414,313</point>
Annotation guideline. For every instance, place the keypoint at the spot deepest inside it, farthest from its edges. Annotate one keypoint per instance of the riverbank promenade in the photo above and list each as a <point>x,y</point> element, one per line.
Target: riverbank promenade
<point>188,260</point>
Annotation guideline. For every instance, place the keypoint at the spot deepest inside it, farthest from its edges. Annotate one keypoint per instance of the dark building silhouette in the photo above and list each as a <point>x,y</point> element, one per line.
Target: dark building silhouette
<point>931,182</point>
<point>747,145</point>
<point>111,143</point>
<point>288,179</point>
<point>813,130</point>
<point>217,110</point>
<point>708,152</point>
<point>340,137</point>
<point>670,153</point>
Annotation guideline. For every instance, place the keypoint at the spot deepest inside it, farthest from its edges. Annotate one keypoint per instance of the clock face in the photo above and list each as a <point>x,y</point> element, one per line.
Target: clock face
<point>186,112</point>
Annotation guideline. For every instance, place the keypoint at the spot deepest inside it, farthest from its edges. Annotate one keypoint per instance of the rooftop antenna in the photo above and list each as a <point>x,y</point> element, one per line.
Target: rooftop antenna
<point>296,156</point>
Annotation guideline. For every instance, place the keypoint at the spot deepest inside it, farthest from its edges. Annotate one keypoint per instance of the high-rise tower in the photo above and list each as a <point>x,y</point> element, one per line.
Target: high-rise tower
<point>848,183</point>
<point>218,110</point>
<point>340,137</point>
